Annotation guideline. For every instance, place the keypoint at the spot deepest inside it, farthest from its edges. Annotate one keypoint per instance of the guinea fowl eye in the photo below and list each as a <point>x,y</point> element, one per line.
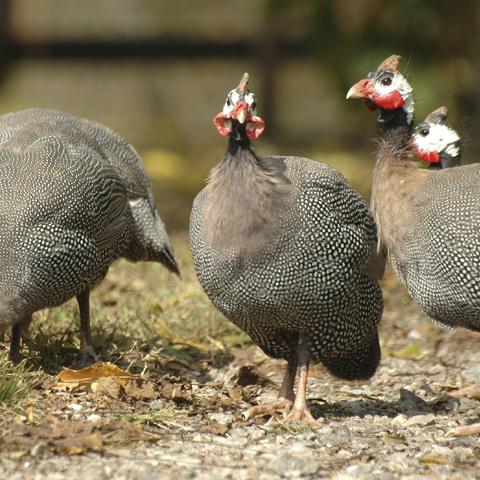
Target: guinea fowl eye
<point>229,102</point>
<point>386,81</point>
<point>424,131</point>
<point>254,105</point>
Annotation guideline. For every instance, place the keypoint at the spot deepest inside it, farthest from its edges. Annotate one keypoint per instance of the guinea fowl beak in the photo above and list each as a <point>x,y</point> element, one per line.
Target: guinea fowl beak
<point>241,112</point>
<point>362,89</point>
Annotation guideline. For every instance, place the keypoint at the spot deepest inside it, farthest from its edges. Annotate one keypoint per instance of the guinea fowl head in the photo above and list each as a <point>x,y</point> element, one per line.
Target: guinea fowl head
<point>239,119</point>
<point>435,143</point>
<point>386,89</point>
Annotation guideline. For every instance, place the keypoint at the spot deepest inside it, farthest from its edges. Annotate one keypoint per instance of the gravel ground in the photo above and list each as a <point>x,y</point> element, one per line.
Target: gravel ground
<point>401,424</point>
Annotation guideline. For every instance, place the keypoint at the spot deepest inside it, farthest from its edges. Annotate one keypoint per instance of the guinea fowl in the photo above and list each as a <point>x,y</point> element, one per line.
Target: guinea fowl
<point>433,236</point>
<point>285,249</point>
<point>439,145</point>
<point>74,197</point>
<point>435,143</point>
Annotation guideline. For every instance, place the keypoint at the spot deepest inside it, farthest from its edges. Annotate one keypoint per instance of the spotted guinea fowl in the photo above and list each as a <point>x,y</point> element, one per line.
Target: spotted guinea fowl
<point>283,247</point>
<point>435,143</point>
<point>74,197</point>
<point>428,220</point>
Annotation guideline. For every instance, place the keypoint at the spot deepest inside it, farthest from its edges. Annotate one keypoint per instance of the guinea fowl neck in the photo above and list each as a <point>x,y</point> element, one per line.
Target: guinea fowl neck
<point>395,127</point>
<point>247,196</point>
<point>238,139</point>
<point>396,178</point>
<point>448,161</point>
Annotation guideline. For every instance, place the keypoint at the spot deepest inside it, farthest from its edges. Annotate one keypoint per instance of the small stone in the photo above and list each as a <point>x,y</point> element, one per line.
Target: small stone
<point>472,374</point>
<point>399,420</point>
<point>221,418</point>
<point>409,400</point>
<point>466,405</point>
<point>420,420</point>
<point>158,404</point>
<point>94,418</point>
<point>257,435</point>
<point>76,407</point>
<point>451,404</point>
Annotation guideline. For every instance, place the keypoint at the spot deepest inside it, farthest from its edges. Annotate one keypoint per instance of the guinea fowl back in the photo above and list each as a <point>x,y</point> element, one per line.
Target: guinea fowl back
<point>74,198</point>
<point>58,235</point>
<point>444,240</point>
<point>149,240</point>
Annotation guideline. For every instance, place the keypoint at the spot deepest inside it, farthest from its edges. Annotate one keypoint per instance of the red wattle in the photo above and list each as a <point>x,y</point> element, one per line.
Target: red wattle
<point>254,127</point>
<point>392,101</point>
<point>428,157</point>
<point>223,124</point>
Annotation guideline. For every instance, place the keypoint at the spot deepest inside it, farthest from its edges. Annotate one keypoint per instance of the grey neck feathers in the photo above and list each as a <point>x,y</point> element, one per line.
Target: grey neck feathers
<point>247,197</point>
<point>396,178</point>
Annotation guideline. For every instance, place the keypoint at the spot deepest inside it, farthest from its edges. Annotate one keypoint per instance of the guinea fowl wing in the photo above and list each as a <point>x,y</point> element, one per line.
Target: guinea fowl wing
<point>62,233</point>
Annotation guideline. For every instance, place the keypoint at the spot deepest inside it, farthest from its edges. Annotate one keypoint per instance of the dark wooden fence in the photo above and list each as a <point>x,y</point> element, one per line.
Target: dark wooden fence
<point>267,51</point>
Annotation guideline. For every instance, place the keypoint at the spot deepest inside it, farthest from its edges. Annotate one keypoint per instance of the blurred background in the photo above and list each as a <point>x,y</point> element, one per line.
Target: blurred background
<point>157,71</point>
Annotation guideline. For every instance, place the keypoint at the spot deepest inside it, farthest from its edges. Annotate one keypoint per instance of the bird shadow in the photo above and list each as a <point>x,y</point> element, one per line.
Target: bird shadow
<point>408,404</point>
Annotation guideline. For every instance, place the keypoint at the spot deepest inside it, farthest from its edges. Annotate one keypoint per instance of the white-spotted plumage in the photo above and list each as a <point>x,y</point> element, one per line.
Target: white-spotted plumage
<point>74,197</point>
<point>428,219</point>
<point>284,248</point>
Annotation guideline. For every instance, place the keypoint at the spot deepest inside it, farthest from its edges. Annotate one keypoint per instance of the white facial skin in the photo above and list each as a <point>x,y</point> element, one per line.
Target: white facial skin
<point>388,82</point>
<point>439,138</point>
<point>234,97</point>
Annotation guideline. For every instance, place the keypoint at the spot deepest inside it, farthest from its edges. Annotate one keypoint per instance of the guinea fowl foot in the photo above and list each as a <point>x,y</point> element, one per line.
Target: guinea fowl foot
<point>86,357</point>
<point>285,399</point>
<point>302,415</point>
<point>300,411</point>
<point>281,405</point>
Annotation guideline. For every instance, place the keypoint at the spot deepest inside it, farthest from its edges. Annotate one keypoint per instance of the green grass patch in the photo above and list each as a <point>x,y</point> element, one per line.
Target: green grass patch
<point>17,382</point>
<point>163,415</point>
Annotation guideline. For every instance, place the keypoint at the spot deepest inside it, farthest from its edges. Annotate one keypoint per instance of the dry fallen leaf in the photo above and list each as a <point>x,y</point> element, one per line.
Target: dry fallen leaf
<point>175,391</point>
<point>433,460</point>
<point>144,391</point>
<point>216,428</point>
<point>69,379</point>
<point>80,444</point>
<point>108,386</point>
<point>251,375</point>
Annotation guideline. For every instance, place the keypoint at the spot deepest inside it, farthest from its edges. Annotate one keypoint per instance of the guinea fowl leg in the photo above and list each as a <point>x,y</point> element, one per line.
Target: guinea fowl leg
<point>14,354</point>
<point>16,338</point>
<point>300,411</point>
<point>87,352</point>
<point>285,396</point>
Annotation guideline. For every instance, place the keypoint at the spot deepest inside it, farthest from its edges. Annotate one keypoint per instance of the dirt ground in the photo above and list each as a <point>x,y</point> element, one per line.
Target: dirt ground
<point>175,410</point>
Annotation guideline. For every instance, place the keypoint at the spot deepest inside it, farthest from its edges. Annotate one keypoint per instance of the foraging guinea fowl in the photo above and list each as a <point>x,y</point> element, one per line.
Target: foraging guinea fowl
<point>285,249</point>
<point>435,143</point>
<point>428,220</point>
<point>74,197</point>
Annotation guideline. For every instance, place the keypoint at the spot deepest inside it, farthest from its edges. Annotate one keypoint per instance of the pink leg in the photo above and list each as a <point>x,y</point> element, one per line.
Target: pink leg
<point>285,396</point>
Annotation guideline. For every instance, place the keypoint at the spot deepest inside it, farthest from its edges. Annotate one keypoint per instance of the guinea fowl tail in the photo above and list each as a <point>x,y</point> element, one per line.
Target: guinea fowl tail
<point>167,259</point>
<point>151,242</point>
<point>359,365</point>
